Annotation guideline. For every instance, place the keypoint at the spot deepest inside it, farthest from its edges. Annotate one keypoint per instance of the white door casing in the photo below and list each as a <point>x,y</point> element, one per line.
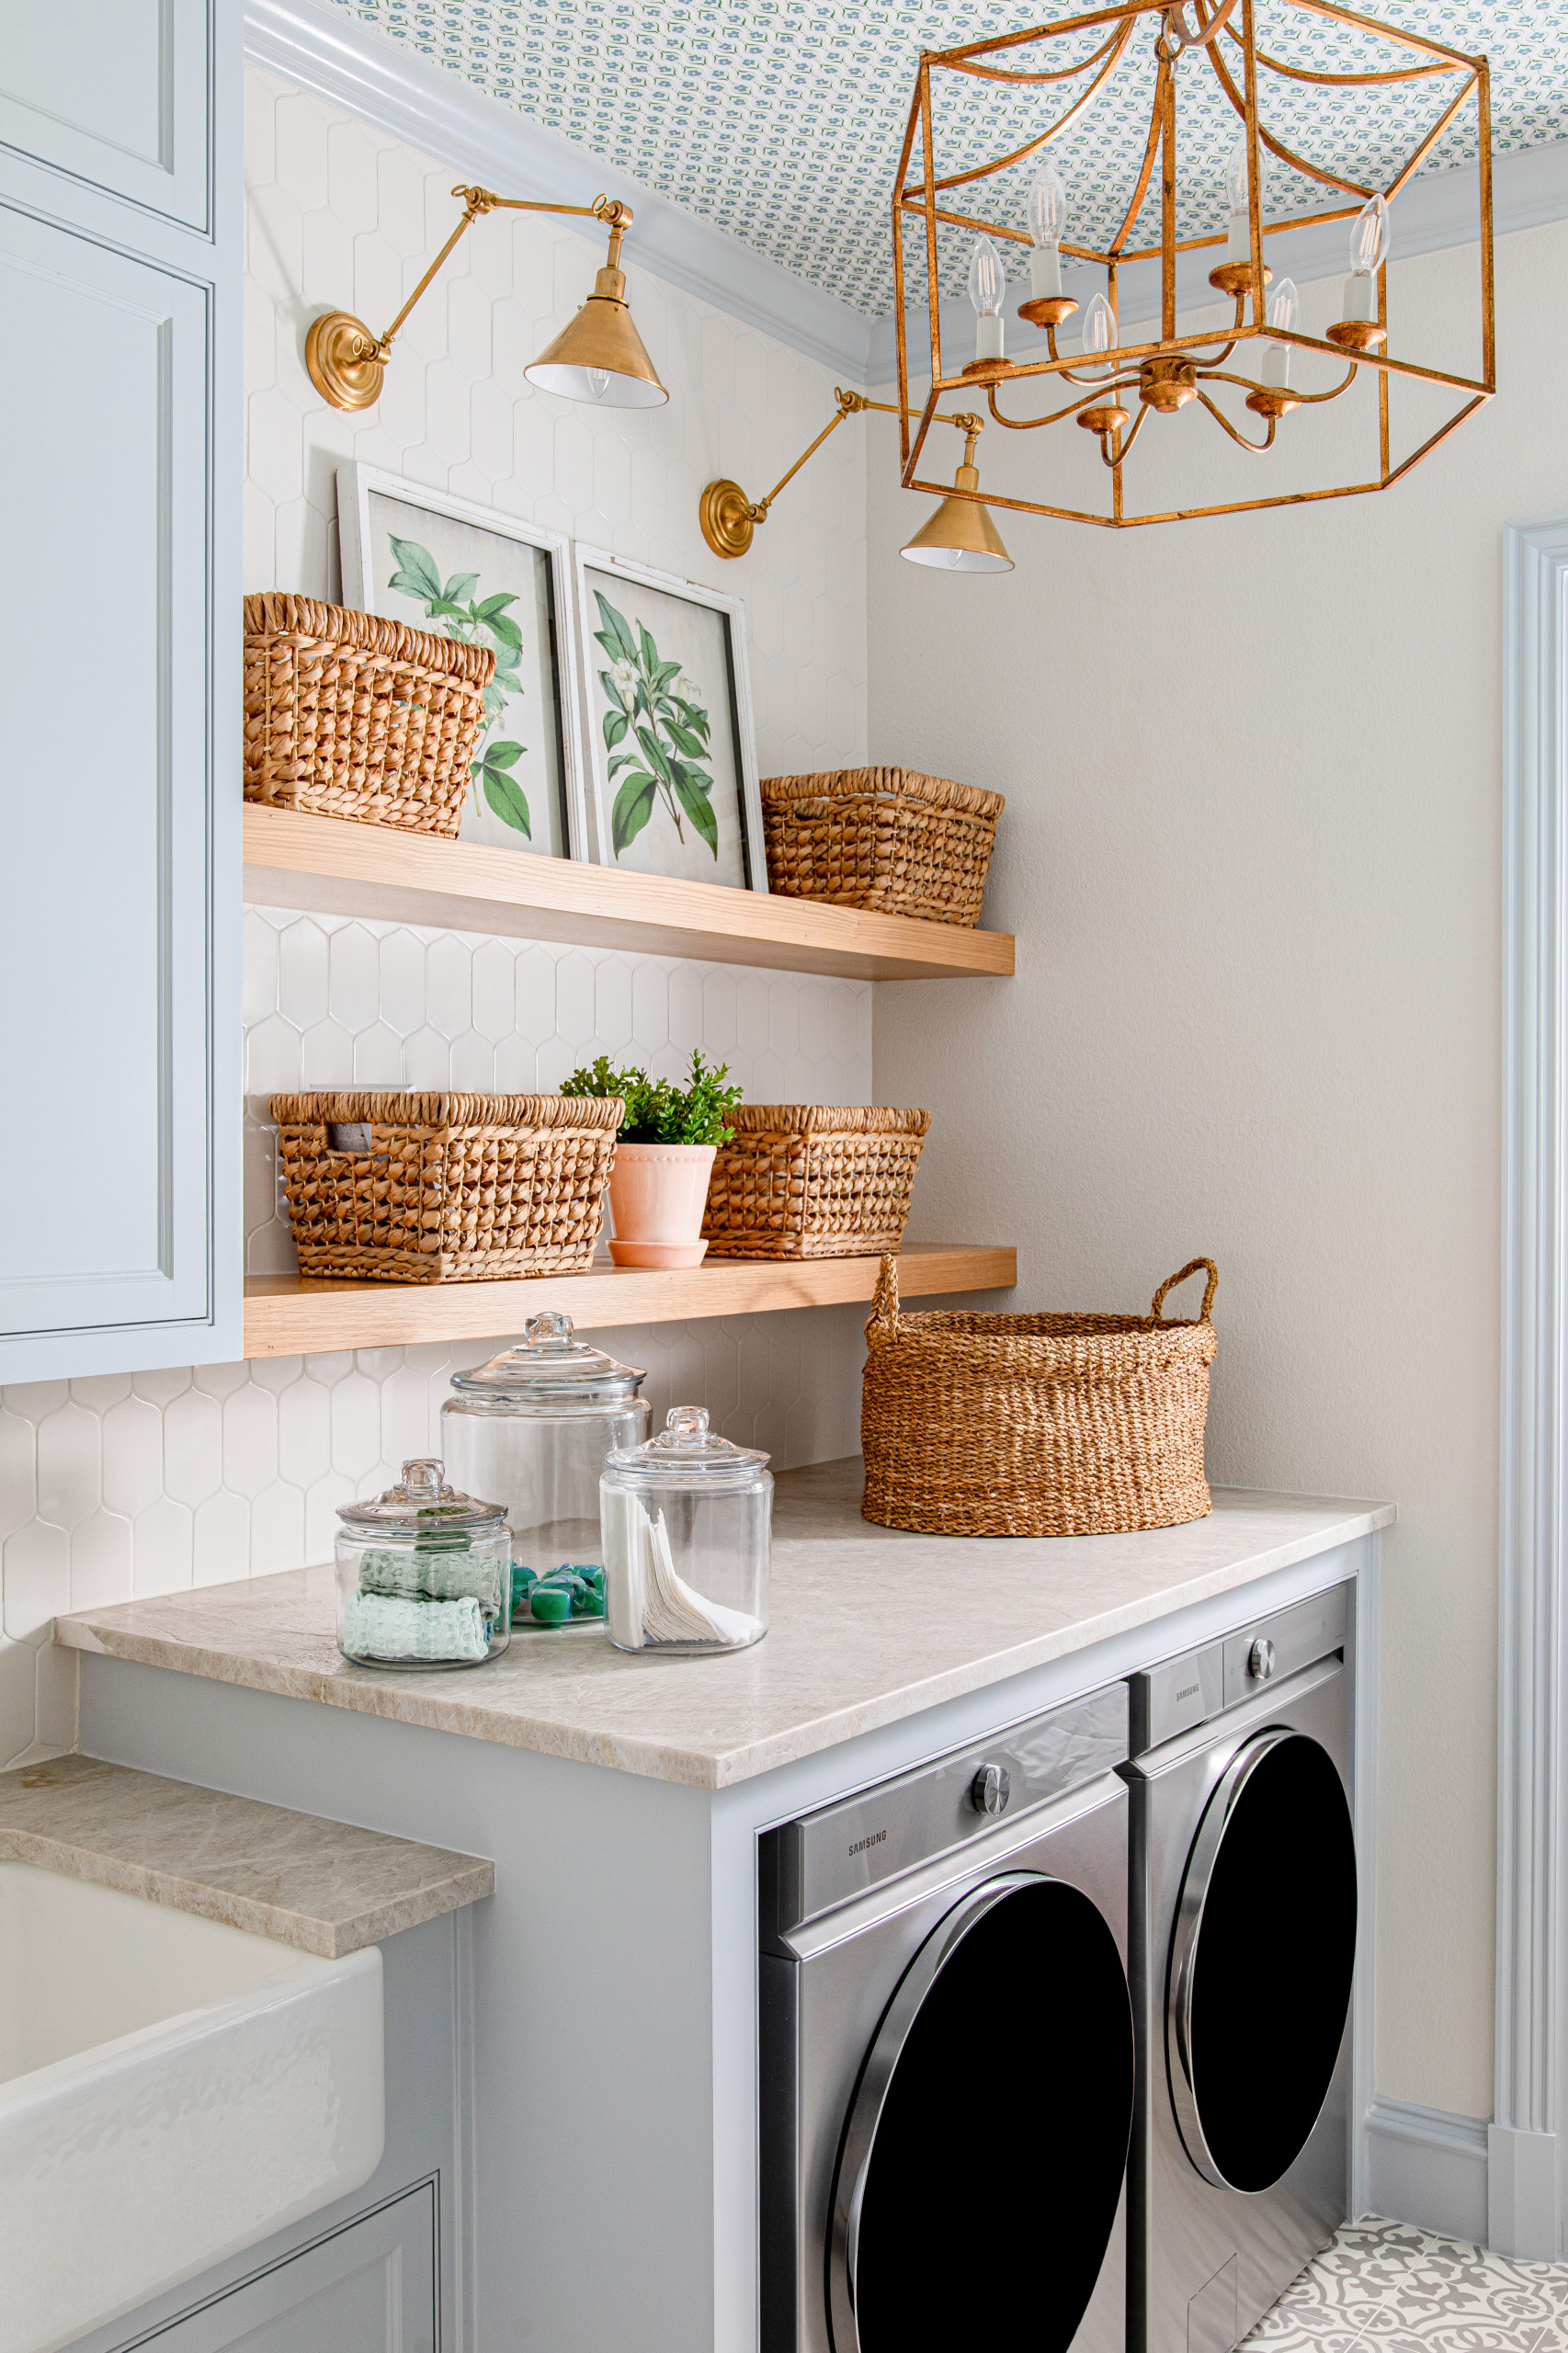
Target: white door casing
<point>1525,2184</point>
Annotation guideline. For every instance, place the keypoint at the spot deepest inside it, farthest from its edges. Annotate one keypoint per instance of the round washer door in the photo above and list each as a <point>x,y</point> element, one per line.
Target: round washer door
<point>1261,1961</point>
<point>991,2118</point>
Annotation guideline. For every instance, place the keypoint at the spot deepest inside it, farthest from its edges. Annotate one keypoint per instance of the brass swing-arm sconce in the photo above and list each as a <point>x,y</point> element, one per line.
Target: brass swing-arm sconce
<point>598,356</point>
<point>959,537</point>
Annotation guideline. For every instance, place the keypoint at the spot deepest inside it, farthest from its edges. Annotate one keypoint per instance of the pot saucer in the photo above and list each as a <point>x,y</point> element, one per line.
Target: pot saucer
<point>658,1254</point>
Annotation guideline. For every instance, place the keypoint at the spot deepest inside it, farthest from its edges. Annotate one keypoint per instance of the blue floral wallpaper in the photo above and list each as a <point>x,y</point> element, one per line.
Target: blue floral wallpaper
<point>780,120</point>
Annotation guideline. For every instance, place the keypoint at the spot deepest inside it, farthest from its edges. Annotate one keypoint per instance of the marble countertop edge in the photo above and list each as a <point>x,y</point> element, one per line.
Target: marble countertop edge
<point>325,1888</point>
<point>559,1726</point>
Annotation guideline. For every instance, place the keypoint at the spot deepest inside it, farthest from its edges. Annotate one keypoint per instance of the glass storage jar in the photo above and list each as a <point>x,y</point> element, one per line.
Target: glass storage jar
<point>534,1427</point>
<point>688,1522</point>
<point>423,1575</point>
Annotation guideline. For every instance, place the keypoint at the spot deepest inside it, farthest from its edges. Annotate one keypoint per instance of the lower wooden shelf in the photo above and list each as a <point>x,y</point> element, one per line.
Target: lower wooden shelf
<point>288,1315</point>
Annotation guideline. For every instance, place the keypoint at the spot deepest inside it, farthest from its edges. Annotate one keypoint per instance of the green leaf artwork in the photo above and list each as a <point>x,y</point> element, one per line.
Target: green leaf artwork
<point>452,606</point>
<point>656,705</point>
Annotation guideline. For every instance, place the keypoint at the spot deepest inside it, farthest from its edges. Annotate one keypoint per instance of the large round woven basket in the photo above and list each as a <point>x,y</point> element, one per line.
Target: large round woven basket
<point>1035,1425</point>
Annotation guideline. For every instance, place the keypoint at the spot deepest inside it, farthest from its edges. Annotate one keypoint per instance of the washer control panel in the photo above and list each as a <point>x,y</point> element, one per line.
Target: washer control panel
<point>1184,1692</point>
<point>809,1866</point>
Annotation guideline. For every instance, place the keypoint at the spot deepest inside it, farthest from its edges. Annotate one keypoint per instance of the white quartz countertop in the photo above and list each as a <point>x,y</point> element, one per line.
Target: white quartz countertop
<point>868,1626</point>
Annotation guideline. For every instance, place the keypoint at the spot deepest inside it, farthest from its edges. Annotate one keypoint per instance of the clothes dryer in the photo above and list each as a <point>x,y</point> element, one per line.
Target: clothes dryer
<point>946,2058</point>
<point>1243,1935</point>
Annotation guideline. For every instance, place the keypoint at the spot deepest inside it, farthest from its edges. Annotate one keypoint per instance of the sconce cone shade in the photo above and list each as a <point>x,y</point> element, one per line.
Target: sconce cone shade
<point>598,355</point>
<point>960,536</point>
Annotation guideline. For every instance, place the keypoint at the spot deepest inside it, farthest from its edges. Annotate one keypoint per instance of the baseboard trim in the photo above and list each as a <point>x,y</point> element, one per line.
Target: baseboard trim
<point>1428,2168</point>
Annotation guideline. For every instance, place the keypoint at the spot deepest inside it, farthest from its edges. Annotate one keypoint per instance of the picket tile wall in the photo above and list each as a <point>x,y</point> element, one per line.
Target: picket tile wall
<point>120,1486</point>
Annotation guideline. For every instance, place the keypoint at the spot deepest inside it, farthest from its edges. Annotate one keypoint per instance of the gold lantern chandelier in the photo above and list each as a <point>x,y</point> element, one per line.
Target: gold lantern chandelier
<point>1190,65</point>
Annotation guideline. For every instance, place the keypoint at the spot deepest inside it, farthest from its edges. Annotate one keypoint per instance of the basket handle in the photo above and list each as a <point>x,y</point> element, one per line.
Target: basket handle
<point>1210,1287</point>
<point>884,1320</point>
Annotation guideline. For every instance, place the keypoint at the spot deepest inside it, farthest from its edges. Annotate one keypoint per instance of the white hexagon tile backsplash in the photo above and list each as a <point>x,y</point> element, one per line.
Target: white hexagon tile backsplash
<point>118,1486</point>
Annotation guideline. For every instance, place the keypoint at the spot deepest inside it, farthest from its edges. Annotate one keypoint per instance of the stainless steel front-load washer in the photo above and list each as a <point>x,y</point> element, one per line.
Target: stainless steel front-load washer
<point>1243,1937</point>
<point>947,2058</point>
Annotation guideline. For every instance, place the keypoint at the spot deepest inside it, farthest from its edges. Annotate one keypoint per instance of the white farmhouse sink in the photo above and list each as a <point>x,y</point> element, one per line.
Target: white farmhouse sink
<point>171,2090</point>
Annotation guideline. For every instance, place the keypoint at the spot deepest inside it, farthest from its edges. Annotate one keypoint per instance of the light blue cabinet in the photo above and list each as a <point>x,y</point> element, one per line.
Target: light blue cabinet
<point>367,2289</point>
<point>120,594</point>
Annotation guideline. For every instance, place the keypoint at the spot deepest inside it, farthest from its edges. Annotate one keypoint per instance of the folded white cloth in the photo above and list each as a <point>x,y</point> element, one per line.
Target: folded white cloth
<point>377,1627</point>
<point>646,1600</point>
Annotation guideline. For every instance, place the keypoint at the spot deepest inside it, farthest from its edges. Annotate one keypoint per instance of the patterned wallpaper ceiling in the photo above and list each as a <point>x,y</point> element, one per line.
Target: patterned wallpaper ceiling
<point>780,120</point>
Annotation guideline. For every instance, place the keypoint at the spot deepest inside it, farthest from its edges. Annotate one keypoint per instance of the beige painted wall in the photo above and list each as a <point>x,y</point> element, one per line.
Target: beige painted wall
<point>1252,854</point>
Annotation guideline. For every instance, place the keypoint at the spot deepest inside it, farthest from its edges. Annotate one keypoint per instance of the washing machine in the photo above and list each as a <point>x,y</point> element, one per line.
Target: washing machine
<point>947,2054</point>
<point>1243,1944</point>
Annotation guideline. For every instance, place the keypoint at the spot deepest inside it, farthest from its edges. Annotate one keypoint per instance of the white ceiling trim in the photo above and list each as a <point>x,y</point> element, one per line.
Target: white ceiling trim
<point>321,49</point>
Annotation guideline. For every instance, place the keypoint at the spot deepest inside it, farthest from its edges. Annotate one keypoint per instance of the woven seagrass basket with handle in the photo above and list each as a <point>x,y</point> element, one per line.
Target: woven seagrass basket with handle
<point>1035,1425</point>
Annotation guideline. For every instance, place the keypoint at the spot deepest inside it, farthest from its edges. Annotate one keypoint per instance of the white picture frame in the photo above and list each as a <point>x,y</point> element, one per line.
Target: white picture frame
<point>547,771</point>
<point>672,841</point>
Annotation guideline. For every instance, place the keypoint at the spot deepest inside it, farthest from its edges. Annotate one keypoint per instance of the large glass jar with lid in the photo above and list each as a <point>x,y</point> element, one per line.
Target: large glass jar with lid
<point>534,1427</point>
<point>423,1575</point>
<point>687,1523</point>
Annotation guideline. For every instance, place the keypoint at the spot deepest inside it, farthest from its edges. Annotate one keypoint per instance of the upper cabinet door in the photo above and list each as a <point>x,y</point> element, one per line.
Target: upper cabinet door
<point>114,93</point>
<point>119,762</point>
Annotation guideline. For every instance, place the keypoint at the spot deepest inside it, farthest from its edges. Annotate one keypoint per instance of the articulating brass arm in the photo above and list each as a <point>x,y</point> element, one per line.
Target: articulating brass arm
<point>728,518</point>
<point>347,361</point>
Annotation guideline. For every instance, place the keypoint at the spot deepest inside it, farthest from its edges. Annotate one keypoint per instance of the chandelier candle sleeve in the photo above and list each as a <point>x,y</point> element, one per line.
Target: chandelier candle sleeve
<point>987,290</point>
<point>1238,234</point>
<point>1369,251</point>
<point>1284,313</point>
<point>1046,215</point>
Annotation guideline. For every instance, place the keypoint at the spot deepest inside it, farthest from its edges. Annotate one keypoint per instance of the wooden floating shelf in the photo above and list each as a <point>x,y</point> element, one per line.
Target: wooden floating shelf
<point>326,865</point>
<point>286,1315</point>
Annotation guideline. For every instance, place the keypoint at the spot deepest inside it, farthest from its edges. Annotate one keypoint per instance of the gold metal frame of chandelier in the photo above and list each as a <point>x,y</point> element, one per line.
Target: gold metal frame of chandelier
<point>728,518</point>
<point>346,362</point>
<point>1168,372</point>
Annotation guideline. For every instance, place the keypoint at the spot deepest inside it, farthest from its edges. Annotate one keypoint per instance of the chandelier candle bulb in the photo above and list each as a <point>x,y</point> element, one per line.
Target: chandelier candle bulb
<point>987,289</point>
<point>1046,213</point>
<point>1369,250</point>
<point>1238,234</point>
<point>1099,336</point>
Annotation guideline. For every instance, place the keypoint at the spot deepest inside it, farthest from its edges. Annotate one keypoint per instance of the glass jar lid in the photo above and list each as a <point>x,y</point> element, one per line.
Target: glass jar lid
<point>551,1368</point>
<point>421,1505</point>
<point>687,1448</point>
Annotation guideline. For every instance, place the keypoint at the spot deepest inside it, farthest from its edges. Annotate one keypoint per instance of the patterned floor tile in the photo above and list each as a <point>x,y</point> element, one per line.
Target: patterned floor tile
<point>1387,2288</point>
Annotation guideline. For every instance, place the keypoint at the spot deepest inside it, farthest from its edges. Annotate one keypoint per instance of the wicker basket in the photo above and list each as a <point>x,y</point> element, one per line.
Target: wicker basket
<point>1035,1425</point>
<point>348,716</point>
<point>431,1188</point>
<point>798,1181</point>
<point>887,838</point>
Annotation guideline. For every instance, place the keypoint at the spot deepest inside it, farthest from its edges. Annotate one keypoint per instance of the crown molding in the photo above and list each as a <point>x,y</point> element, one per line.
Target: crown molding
<point>1530,188</point>
<point>324,50</point>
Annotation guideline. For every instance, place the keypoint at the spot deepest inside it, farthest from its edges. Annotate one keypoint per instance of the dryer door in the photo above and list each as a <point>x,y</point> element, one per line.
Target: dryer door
<point>1261,1961</point>
<point>982,2164</point>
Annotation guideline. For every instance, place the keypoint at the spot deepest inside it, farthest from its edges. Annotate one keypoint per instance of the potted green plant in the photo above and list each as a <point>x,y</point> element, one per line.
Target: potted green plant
<point>663,1157</point>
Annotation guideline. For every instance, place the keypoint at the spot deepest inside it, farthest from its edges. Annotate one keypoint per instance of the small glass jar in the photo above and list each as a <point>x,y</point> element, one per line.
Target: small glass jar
<point>534,1427</point>
<point>423,1575</point>
<point>687,1525</point>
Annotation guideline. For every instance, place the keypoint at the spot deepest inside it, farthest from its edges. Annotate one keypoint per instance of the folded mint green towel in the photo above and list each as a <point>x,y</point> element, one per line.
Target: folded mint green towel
<point>433,1575</point>
<point>377,1627</point>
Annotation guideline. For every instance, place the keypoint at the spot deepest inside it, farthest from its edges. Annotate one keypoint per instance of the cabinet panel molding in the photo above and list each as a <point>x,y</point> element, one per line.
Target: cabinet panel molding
<point>115,93</point>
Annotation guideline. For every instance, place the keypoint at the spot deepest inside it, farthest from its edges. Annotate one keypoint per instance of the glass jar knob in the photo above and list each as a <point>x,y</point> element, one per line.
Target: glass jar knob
<point>549,1326</point>
<point>688,1425</point>
<point>424,1476</point>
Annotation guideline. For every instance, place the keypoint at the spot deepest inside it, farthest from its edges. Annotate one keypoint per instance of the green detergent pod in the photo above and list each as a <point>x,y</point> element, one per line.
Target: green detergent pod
<point>552,1604</point>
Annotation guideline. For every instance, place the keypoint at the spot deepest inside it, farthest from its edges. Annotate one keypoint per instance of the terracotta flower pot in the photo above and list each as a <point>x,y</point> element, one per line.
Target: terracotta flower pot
<point>657,1194</point>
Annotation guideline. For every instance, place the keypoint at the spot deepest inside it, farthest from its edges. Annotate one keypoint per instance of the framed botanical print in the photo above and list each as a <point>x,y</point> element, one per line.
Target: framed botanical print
<point>444,564</point>
<point>671,745</point>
